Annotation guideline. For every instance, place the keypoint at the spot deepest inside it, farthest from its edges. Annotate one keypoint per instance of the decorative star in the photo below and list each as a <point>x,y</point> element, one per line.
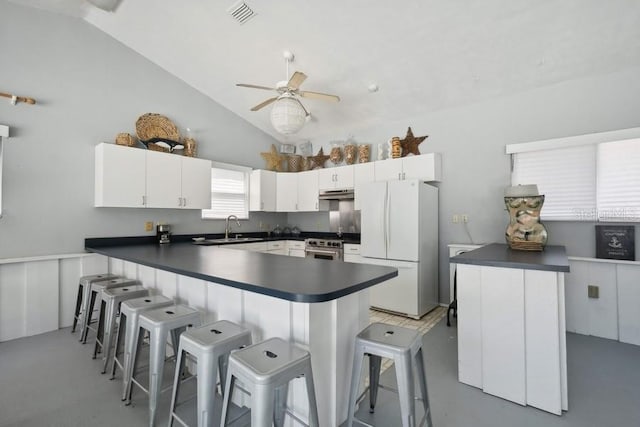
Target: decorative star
<point>410,143</point>
<point>318,160</point>
<point>273,159</point>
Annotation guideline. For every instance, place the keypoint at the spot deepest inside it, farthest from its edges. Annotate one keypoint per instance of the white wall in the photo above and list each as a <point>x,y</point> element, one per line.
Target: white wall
<point>89,87</point>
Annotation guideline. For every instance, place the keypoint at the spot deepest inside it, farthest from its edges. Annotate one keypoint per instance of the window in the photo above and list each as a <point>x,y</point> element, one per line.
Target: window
<point>229,192</point>
<point>586,178</point>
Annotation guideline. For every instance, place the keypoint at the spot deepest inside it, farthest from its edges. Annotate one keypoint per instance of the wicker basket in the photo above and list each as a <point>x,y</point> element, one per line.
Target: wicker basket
<point>125,139</point>
<point>152,125</point>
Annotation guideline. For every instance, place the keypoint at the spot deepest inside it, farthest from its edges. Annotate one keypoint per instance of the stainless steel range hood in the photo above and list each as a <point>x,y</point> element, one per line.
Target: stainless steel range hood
<point>336,194</point>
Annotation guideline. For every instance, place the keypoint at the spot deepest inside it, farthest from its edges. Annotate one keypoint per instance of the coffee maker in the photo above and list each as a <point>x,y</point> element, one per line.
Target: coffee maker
<point>163,232</point>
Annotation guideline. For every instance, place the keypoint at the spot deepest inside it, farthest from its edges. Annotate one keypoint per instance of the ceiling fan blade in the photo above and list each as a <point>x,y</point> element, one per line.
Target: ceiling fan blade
<point>296,80</point>
<point>264,104</point>
<point>254,86</point>
<point>319,95</point>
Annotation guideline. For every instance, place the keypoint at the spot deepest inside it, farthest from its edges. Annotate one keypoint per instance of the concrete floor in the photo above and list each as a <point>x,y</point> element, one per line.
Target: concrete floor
<point>51,380</point>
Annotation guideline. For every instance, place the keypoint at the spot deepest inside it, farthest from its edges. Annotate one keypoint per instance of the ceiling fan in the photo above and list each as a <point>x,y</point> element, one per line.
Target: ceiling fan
<point>289,91</point>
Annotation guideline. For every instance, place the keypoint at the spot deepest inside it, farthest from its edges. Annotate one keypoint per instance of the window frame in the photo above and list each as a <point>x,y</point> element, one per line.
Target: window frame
<point>228,166</point>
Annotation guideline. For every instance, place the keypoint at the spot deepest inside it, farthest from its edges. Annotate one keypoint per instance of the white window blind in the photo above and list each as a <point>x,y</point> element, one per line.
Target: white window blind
<point>229,193</point>
<point>567,178</point>
<point>618,188</point>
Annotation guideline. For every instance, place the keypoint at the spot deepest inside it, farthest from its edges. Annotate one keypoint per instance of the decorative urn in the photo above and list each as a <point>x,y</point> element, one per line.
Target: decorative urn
<point>525,232</point>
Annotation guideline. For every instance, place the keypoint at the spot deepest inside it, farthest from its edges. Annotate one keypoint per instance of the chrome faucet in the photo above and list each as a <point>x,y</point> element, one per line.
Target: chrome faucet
<point>227,227</point>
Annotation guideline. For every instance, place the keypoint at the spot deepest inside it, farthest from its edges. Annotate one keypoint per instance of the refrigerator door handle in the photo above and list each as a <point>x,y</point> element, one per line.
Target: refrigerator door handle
<point>387,225</point>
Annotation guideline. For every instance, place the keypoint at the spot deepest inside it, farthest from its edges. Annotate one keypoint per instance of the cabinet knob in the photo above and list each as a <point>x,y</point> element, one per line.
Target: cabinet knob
<point>179,201</point>
<point>184,201</point>
<point>144,200</point>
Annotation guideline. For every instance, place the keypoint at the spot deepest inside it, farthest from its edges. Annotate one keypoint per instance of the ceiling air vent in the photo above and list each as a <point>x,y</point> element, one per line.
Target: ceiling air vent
<point>241,12</point>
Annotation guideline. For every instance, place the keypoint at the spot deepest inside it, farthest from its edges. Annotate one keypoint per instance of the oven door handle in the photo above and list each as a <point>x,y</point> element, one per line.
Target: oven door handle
<point>320,251</point>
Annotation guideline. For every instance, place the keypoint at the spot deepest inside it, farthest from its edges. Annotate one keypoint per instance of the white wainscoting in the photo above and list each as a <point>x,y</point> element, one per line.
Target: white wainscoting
<point>38,294</point>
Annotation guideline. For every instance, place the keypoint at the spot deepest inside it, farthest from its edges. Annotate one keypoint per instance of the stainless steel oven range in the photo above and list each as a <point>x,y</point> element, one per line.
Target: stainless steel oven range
<point>323,249</point>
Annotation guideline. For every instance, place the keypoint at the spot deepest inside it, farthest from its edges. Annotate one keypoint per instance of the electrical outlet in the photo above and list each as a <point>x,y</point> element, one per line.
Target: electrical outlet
<point>148,226</point>
<point>455,219</point>
<point>261,224</point>
<point>465,218</point>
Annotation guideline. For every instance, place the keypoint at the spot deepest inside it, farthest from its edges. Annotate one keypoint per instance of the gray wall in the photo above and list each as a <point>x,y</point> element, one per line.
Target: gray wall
<point>472,141</point>
<point>89,87</point>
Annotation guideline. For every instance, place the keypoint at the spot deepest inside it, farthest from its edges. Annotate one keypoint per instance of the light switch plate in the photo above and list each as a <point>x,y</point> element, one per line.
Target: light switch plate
<point>593,291</point>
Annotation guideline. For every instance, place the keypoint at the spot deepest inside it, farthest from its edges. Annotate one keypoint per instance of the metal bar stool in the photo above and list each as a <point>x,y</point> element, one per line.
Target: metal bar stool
<point>404,346</point>
<point>266,369</point>
<point>127,335</point>
<point>160,322</point>
<point>82,299</point>
<point>96,291</point>
<point>210,345</point>
<point>111,300</point>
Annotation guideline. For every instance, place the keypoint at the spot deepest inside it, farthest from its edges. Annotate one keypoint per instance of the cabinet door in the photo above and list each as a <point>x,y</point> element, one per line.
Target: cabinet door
<point>425,167</point>
<point>298,253</point>
<point>286,192</point>
<point>603,311</point>
<point>119,176</point>
<point>386,170</point>
<point>164,180</point>
<point>262,191</point>
<point>308,191</point>
<point>196,183</point>
<point>326,179</point>
<point>362,173</point>
<point>629,303</point>
<point>343,177</point>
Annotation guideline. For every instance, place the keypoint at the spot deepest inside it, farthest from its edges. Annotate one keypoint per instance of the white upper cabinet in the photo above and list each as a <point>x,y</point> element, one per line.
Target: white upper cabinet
<point>338,178</point>
<point>131,177</point>
<point>195,193</point>
<point>119,176</point>
<point>164,180</point>
<point>425,167</point>
<point>287,192</point>
<point>362,173</point>
<point>308,191</point>
<point>262,191</point>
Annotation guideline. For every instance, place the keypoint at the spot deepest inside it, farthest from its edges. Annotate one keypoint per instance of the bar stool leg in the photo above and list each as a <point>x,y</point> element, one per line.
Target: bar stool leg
<point>404,374</point>
<point>107,340</point>
<point>156,363</point>
<point>206,368</point>
<point>133,343</point>
<point>223,364</point>
<point>76,314</point>
<point>311,393</point>
<point>228,394</point>
<point>262,405</point>
<point>374,380</point>
<point>180,364</point>
<point>422,379</point>
<point>119,343</point>
<point>355,384</point>
<point>86,317</point>
<point>99,344</point>
<point>280,405</point>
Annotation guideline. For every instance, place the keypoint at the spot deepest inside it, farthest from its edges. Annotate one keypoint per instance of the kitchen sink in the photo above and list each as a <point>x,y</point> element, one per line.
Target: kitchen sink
<point>222,241</point>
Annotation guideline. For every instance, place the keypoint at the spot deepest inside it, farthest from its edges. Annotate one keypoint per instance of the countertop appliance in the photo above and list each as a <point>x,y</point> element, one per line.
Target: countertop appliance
<point>163,233</point>
<point>400,229</point>
<point>330,249</point>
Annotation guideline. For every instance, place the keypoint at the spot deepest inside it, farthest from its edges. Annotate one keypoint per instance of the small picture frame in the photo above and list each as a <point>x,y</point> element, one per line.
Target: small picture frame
<point>287,149</point>
<point>615,242</point>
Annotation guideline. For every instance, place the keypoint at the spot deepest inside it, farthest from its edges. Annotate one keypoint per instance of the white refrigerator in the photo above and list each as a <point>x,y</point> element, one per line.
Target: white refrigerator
<point>399,228</point>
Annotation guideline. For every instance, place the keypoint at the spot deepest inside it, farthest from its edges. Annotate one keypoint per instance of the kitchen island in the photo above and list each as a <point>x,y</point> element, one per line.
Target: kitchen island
<point>511,324</point>
<point>318,304</point>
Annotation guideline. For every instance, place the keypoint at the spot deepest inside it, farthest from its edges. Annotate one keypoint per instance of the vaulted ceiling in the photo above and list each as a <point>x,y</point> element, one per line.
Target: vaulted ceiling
<point>424,55</point>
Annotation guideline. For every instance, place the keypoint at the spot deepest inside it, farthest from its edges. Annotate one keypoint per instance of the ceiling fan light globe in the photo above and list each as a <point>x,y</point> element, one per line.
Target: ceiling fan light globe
<point>288,116</point>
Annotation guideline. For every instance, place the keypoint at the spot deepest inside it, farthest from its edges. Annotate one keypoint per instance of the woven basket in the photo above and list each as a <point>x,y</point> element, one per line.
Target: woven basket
<point>152,125</point>
<point>125,139</point>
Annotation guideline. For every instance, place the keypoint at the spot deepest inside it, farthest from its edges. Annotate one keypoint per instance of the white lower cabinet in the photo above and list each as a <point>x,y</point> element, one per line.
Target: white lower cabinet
<point>252,247</point>
<point>629,303</point>
<point>295,248</point>
<point>277,247</point>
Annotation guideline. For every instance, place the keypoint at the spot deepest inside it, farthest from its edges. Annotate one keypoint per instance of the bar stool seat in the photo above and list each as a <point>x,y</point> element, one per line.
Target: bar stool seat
<point>211,345</point>
<point>266,369</point>
<point>404,346</point>
<point>111,300</point>
<point>127,335</point>
<point>160,322</point>
<point>82,298</point>
<point>96,291</point>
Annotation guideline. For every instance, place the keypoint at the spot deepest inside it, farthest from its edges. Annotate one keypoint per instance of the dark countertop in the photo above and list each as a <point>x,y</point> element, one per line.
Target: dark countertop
<point>553,258</point>
<point>290,278</point>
